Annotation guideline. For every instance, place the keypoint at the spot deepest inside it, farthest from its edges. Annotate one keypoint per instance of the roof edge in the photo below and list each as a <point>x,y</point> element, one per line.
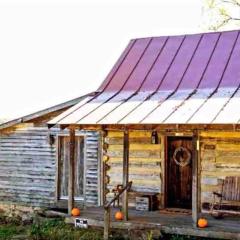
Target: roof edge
<point>187,34</point>
<point>40,113</point>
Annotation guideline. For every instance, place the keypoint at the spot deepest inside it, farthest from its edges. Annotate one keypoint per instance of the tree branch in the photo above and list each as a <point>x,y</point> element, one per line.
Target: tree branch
<point>233,2</point>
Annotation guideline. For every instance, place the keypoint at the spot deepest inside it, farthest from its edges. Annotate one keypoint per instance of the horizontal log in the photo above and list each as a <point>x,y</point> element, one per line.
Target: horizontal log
<point>136,154</point>
<point>20,175</point>
<point>149,170</point>
<point>115,134</point>
<point>219,134</point>
<point>28,188</point>
<point>30,194</point>
<point>221,173</point>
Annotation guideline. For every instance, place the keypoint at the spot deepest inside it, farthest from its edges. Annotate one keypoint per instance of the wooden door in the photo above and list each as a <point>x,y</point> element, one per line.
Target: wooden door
<point>63,170</point>
<point>179,172</point>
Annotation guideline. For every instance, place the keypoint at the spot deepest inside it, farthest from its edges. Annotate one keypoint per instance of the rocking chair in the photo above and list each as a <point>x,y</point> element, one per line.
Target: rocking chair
<point>230,191</point>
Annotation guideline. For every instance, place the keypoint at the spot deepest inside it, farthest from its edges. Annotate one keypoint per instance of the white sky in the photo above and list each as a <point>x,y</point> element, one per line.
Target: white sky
<point>53,51</point>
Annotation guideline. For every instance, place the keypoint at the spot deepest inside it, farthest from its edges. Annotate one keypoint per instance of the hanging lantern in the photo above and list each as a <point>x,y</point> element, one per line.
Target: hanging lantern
<point>154,137</point>
<point>50,138</point>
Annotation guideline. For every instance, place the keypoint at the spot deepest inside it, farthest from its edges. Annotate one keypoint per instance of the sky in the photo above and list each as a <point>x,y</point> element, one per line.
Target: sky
<point>52,51</point>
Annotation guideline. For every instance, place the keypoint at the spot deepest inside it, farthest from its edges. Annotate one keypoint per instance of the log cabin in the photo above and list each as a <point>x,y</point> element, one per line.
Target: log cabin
<point>34,166</point>
<point>168,115</point>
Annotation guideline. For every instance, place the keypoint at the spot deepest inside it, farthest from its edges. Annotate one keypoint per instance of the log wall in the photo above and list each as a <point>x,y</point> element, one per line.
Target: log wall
<point>145,161</point>
<point>220,157</point>
<point>28,166</point>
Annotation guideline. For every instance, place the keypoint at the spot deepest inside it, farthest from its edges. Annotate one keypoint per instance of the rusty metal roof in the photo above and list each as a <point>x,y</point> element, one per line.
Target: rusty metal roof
<point>189,79</point>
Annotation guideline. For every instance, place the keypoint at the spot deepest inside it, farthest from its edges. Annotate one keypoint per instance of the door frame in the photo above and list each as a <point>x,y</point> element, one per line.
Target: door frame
<point>165,171</point>
<point>57,183</point>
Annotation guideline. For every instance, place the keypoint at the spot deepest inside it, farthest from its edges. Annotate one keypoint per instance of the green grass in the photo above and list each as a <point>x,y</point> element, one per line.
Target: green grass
<point>56,229</point>
<point>7,231</point>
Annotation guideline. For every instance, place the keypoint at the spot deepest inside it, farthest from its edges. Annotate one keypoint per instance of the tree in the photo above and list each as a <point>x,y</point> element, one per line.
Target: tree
<point>221,14</point>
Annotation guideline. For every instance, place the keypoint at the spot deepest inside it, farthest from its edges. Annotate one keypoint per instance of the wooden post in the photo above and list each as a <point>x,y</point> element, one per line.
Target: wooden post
<point>195,179</point>
<point>125,172</point>
<point>106,223</point>
<point>71,170</point>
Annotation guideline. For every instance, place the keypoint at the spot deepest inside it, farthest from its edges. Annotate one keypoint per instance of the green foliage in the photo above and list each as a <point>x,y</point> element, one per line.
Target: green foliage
<point>7,231</point>
<point>57,229</point>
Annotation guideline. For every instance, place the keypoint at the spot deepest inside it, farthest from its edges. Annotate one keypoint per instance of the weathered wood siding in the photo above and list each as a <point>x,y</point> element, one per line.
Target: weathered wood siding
<point>220,157</point>
<point>28,166</point>
<point>145,160</point>
<point>92,166</point>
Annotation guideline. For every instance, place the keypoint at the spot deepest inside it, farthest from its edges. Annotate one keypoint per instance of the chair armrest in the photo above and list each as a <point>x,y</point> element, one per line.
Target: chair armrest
<point>217,194</point>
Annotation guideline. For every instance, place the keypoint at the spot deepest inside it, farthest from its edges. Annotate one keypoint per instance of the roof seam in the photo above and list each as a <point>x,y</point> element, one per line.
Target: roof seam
<point>200,80</point>
<point>171,94</point>
<point>203,73</point>
<point>222,108</point>
<point>184,73</point>
<point>94,97</point>
<point>144,80</point>
<point>122,85</point>
<point>225,67</point>
<point>121,62</point>
<point>169,67</point>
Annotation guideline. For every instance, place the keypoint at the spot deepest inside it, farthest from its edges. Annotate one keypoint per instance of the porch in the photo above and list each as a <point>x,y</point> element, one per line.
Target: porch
<point>164,221</point>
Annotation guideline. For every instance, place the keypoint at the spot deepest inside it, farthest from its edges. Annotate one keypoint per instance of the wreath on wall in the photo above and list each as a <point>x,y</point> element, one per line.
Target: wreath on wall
<point>182,156</point>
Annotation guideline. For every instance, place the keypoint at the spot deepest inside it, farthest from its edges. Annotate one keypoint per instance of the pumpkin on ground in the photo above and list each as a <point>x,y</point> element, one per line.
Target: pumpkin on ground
<point>75,212</point>
<point>202,222</point>
<point>119,215</point>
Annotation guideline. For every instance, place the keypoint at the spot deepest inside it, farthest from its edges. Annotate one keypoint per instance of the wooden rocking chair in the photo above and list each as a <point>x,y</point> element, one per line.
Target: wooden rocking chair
<point>230,191</point>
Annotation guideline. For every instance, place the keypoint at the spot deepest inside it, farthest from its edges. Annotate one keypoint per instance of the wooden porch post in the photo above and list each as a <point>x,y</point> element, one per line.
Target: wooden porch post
<point>195,179</point>
<point>71,171</point>
<point>125,172</point>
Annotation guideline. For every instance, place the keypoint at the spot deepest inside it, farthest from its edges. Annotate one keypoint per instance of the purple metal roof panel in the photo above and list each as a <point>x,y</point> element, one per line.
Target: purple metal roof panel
<point>199,63</point>
<point>175,79</point>
<point>220,58</point>
<point>181,62</point>
<point>231,76</point>
<point>128,66</point>
<point>162,64</point>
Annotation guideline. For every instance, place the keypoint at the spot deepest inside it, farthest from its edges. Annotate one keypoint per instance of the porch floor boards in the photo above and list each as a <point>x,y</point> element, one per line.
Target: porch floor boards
<point>166,222</point>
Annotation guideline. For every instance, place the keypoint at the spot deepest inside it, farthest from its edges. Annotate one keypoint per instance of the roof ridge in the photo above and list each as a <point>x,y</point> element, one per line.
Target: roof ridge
<point>187,34</point>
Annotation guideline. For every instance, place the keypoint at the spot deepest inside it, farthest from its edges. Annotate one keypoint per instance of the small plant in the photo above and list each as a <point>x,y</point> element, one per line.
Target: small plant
<point>150,235</point>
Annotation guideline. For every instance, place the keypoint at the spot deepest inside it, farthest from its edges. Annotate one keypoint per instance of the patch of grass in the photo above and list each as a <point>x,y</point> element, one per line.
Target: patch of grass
<point>7,231</point>
<point>57,229</point>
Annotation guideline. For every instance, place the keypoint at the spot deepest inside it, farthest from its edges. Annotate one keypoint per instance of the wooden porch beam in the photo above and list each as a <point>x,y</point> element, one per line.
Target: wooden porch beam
<point>125,172</point>
<point>71,171</point>
<point>195,179</point>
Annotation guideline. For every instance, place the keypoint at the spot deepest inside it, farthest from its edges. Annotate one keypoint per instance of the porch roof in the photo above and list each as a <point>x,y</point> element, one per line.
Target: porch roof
<point>188,79</point>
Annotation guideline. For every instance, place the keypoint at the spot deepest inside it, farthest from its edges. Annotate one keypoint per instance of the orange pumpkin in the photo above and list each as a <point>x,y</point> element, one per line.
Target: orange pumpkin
<point>202,222</point>
<point>75,212</point>
<point>119,215</point>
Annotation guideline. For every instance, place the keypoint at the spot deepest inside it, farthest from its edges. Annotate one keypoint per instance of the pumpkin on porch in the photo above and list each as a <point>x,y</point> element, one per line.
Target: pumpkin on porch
<point>119,215</point>
<point>202,222</point>
<point>75,212</point>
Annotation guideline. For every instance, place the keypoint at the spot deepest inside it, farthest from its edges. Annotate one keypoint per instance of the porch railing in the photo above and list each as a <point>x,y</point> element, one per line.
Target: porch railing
<point>107,210</point>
